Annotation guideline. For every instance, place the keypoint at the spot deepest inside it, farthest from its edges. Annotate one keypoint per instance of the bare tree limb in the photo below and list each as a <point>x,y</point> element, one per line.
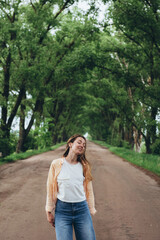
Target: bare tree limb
<point>34,8</point>
<point>62,8</point>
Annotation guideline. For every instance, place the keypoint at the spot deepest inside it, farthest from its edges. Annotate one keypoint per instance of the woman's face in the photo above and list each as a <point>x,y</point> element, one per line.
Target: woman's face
<point>78,146</point>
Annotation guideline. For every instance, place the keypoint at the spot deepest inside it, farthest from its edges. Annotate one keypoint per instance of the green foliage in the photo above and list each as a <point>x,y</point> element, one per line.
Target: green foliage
<point>8,144</point>
<point>5,145</point>
<point>37,51</point>
<point>20,156</point>
<point>30,143</point>
<point>118,142</point>
<point>42,135</point>
<point>156,147</point>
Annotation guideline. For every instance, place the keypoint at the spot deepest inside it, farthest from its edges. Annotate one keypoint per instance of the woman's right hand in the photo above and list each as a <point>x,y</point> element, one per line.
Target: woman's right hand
<point>50,218</point>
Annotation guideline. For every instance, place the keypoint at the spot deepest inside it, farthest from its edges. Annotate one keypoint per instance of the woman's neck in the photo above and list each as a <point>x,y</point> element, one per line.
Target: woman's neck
<point>71,158</point>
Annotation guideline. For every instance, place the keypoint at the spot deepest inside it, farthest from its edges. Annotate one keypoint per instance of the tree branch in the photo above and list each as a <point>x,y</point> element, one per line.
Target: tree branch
<point>35,10</point>
<point>58,61</point>
<point>15,108</point>
<point>62,8</point>
<point>133,40</point>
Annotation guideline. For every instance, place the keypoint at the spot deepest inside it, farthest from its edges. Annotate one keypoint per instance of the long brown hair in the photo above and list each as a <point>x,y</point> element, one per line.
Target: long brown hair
<point>80,158</point>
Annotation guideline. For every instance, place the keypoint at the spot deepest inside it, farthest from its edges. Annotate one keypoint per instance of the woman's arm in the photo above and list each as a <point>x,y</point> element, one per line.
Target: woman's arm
<point>50,205</point>
<point>90,198</point>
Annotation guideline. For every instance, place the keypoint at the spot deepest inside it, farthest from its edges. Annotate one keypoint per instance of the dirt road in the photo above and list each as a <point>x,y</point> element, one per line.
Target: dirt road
<point>127,200</point>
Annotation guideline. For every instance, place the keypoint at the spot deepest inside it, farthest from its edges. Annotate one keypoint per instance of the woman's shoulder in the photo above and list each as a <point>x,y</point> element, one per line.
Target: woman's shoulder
<point>57,161</point>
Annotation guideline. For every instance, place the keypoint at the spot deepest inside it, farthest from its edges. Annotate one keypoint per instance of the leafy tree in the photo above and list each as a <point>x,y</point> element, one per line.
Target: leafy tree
<point>24,46</point>
<point>138,55</point>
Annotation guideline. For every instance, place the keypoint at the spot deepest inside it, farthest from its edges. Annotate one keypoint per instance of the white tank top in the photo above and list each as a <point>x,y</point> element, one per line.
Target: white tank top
<point>70,183</point>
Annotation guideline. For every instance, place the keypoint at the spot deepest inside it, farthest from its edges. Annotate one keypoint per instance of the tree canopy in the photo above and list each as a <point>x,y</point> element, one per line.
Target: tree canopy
<point>62,71</point>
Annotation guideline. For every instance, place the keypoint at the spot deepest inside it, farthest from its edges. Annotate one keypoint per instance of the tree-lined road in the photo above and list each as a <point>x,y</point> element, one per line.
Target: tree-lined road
<point>127,200</point>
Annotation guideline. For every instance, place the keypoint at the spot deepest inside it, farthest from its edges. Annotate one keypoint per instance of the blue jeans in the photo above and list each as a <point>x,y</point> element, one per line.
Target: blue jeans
<point>77,215</point>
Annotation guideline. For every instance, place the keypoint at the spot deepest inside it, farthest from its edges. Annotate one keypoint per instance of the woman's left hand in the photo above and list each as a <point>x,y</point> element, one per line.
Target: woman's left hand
<point>51,219</point>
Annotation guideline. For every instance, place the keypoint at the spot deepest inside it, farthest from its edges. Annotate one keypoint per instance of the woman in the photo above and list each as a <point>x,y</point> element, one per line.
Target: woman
<point>70,198</point>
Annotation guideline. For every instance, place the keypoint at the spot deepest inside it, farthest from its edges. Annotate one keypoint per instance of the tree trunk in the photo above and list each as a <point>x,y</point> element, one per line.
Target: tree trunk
<point>153,127</point>
<point>54,138</point>
<point>21,127</point>
<point>4,141</point>
<point>137,139</point>
<point>128,135</point>
<point>5,131</point>
<point>24,132</point>
<point>148,144</point>
<point>21,141</point>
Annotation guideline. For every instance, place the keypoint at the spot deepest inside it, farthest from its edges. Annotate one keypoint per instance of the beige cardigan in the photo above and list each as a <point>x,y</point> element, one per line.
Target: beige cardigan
<point>52,187</point>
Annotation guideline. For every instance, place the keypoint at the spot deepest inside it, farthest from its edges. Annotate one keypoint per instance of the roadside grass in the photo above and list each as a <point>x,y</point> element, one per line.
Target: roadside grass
<point>146,161</point>
<point>23,155</point>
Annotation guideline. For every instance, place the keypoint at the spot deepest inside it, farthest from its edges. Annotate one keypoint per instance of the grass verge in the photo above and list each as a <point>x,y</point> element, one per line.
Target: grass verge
<point>146,161</point>
<point>20,156</point>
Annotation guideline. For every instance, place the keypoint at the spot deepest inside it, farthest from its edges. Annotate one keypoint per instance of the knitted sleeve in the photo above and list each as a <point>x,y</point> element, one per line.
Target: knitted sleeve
<point>50,205</point>
<point>90,198</point>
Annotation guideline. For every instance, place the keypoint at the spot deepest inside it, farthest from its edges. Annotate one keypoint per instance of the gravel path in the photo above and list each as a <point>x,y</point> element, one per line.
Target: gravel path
<point>127,200</point>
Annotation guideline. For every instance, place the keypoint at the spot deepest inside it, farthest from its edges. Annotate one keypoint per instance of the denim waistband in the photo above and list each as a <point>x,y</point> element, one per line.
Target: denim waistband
<point>68,207</point>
